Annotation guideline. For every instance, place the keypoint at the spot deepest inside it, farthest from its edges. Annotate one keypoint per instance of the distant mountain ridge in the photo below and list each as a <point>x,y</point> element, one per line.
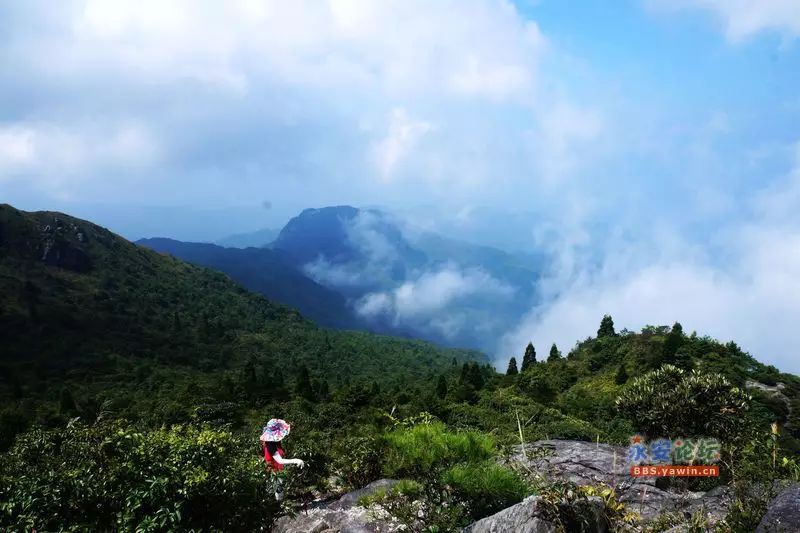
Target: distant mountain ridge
<point>353,268</point>
<point>345,235</point>
<point>266,272</point>
<point>254,239</point>
<point>436,288</point>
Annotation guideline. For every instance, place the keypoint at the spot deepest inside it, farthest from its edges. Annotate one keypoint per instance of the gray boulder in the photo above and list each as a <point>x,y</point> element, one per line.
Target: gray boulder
<point>783,513</point>
<point>341,516</point>
<point>588,463</point>
<point>532,515</point>
<point>351,498</point>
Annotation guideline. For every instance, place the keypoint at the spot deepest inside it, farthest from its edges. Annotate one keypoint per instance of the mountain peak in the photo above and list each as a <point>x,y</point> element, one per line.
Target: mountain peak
<point>318,232</point>
<point>346,211</point>
<point>53,238</point>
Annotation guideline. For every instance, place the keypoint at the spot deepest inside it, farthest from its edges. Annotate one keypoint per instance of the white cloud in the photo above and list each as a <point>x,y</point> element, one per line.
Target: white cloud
<point>438,96</point>
<point>16,147</point>
<point>374,304</point>
<point>324,272</point>
<point>478,48</point>
<point>752,296</point>
<point>745,18</point>
<point>404,133</point>
<point>433,299</point>
<point>373,259</point>
<point>563,138</point>
<point>56,156</point>
<point>433,291</point>
<point>728,305</point>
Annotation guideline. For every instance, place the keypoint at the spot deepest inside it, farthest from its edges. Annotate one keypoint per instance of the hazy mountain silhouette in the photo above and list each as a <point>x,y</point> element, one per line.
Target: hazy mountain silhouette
<point>266,272</point>
<point>254,239</point>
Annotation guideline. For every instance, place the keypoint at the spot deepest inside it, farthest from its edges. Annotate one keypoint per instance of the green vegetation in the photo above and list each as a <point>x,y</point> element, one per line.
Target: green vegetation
<point>451,476</point>
<point>425,448</point>
<point>512,367</point>
<point>529,359</point>
<point>134,386</point>
<point>110,476</point>
<point>671,402</point>
<point>486,486</point>
<point>606,328</point>
<point>555,354</point>
<point>103,328</point>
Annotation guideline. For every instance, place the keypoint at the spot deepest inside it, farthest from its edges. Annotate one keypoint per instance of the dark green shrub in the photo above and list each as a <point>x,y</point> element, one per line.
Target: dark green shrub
<point>423,449</point>
<point>672,402</point>
<point>358,460</point>
<point>419,508</point>
<point>570,428</point>
<point>486,487</point>
<point>114,477</point>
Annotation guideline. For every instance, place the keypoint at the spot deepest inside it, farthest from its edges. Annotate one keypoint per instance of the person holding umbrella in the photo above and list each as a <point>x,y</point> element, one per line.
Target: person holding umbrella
<point>272,435</point>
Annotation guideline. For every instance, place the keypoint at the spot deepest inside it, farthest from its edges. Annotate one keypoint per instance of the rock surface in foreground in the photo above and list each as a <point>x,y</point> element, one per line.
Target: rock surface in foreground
<point>341,516</point>
<point>588,463</point>
<point>531,515</point>
<point>783,513</point>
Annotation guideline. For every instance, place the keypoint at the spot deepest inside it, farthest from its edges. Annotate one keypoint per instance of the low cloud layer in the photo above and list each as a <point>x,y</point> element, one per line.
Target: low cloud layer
<point>438,301</point>
<point>372,255</point>
<point>745,287</point>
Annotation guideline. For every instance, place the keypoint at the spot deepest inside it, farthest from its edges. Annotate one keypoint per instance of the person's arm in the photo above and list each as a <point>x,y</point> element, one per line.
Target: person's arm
<point>281,461</point>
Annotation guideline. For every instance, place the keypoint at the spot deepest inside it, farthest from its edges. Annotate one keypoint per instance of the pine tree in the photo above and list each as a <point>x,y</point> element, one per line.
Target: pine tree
<point>276,385</point>
<point>606,327</point>
<point>375,389</point>
<point>204,328</point>
<point>248,379</point>
<point>66,403</point>
<point>323,389</point>
<point>622,375</point>
<point>303,384</point>
<point>476,377</point>
<point>529,359</point>
<point>471,374</point>
<point>673,341</point>
<point>555,355</point>
<point>441,387</point>
<point>512,367</point>
<point>683,357</point>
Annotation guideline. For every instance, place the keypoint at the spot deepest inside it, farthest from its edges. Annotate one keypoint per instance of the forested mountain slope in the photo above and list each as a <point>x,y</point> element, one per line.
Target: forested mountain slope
<point>586,382</point>
<point>265,272</point>
<point>92,323</point>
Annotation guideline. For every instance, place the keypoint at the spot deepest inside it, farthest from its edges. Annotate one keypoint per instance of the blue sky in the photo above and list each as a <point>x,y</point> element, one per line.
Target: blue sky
<point>651,146</point>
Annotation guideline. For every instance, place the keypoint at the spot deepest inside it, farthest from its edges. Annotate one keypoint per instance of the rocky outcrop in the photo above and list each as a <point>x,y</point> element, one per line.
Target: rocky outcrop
<point>52,238</point>
<point>61,244</point>
<point>341,516</point>
<point>351,498</point>
<point>783,513</point>
<point>588,463</point>
<point>750,384</point>
<point>533,515</point>
<point>63,255</point>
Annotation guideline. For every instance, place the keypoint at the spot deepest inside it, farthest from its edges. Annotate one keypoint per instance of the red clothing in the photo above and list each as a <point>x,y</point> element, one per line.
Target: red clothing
<point>269,458</point>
